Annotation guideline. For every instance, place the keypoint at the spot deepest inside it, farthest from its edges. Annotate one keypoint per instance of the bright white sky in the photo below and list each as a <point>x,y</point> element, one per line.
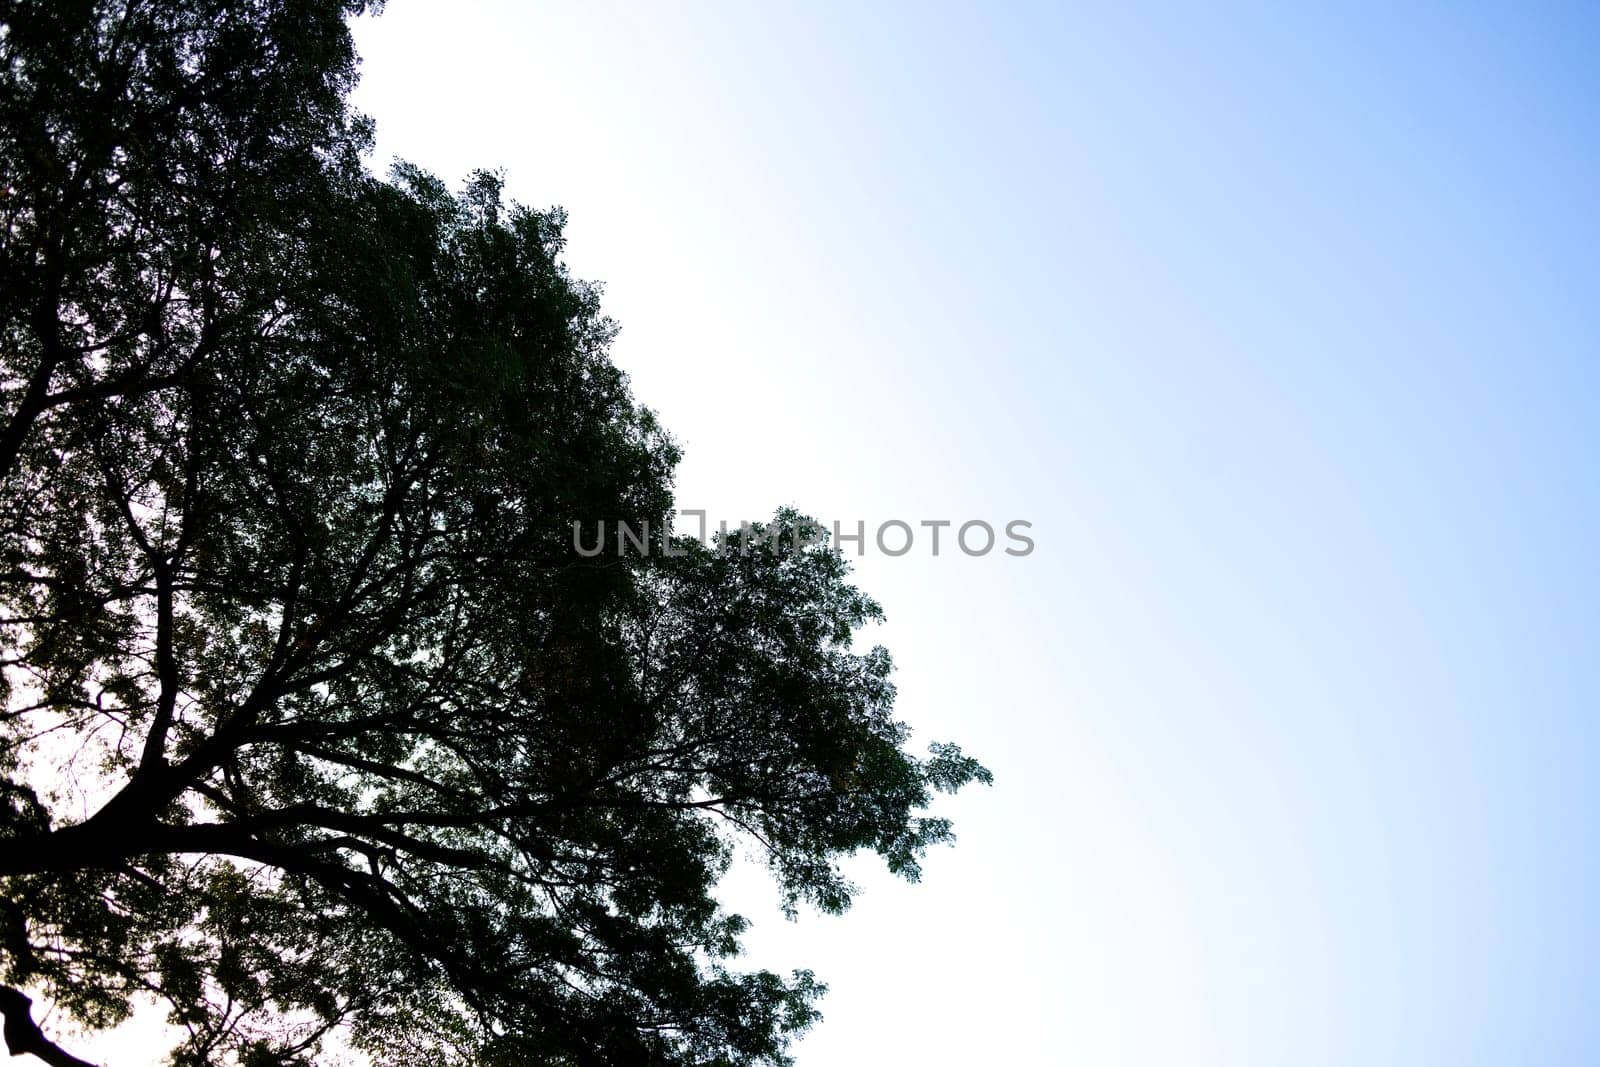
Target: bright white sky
<point>1281,330</point>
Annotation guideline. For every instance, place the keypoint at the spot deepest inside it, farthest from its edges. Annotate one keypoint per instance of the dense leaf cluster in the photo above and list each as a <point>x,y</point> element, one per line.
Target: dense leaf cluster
<point>315,721</point>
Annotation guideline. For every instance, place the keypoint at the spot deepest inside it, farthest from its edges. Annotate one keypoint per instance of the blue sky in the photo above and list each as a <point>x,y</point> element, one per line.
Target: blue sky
<point>1280,326</point>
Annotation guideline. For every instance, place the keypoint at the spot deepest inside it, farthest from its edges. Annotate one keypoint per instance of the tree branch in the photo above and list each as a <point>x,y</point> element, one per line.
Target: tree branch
<point>155,745</point>
<point>23,1036</point>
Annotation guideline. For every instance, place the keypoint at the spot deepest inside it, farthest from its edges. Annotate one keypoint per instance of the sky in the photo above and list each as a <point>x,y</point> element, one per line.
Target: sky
<point>1280,328</point>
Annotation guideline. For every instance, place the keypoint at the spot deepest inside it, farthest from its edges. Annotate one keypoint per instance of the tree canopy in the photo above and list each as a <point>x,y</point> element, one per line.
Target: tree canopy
<point>315,720</point>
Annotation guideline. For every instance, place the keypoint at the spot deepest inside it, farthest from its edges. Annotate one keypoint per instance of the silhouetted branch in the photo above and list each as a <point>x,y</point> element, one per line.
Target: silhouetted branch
<point>23,1036</point>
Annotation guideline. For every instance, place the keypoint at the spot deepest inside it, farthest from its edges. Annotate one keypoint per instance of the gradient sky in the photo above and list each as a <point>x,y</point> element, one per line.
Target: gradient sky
<point>1281,328</point>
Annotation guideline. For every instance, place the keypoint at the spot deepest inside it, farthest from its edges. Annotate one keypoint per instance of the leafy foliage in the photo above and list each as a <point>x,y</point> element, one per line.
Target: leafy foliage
<point>315,719</point>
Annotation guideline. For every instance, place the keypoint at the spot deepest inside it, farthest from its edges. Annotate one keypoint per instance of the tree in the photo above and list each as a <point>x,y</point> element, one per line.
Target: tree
<point>315,718</point>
